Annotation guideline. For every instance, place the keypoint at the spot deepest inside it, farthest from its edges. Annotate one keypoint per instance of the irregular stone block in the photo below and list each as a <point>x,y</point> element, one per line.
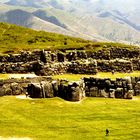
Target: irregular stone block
<point>119,93</point>
<point>129,94</point>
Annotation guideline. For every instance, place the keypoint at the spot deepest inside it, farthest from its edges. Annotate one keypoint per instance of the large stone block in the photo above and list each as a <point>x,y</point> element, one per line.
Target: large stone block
<point>16,89</point>
<point>34,90</point>
<point>72,91</point>
<point>6,89</point>
<point>119,93</point>
<point>137,88</point>
<point>93,92</point>
<point>103,93</point>
<point>47,89</point>
<point>112,93</point>
<point>129,94</point>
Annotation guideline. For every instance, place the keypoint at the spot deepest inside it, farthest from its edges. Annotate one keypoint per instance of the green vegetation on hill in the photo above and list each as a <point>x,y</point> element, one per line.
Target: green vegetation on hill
<point>55,118</point>
<point>15,38</point>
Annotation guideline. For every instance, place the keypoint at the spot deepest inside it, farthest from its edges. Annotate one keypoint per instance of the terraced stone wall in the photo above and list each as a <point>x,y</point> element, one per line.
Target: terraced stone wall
<point>74,61</point>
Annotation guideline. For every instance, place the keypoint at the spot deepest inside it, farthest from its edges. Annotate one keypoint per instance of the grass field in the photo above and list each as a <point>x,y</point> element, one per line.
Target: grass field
<point>75,77</point>
<point>56,119</point>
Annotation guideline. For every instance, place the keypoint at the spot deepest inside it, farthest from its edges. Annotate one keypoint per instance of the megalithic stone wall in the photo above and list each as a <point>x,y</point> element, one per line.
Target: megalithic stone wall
<point>117,65</point>
<point>83,67</point>
<point>72,61</point>
<point>46,87</point>
<point>120,88</point>
<point>20,67</point>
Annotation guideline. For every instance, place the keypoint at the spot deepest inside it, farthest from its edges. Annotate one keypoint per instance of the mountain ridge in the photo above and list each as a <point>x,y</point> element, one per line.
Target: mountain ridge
<point>102,21</point>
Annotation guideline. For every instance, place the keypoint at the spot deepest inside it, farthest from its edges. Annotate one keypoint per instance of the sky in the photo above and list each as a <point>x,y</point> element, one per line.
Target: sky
<point>3,1</point>
<point>122,3</point>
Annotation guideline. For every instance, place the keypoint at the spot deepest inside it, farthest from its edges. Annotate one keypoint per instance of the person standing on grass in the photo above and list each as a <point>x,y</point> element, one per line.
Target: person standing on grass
<point>107,132</point>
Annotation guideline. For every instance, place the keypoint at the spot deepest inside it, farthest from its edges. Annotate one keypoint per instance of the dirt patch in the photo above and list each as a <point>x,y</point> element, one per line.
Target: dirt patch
<point>78,102</point>
<point>21,75</point>
<point>12,138</point>
<point>135,98</point>
<point>23,97</point>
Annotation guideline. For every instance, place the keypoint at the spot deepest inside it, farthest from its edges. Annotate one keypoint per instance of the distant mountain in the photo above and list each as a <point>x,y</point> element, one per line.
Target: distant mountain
<point>45,16</point>
<point>28,3</point>
<point>26,19</point>
<point>102,20</point>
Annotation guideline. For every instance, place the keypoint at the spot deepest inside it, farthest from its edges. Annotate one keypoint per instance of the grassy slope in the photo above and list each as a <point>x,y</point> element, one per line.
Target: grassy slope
<point>15,38</point>
<point>57,119</point>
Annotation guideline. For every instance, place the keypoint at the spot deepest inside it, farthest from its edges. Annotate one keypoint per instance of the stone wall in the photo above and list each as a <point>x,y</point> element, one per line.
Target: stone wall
<point>120,88</point>
<point>124,53</point>
<point>86,66</point>
<point>71,55</point>
<point>76,61</point>
<point>116,65</point>
<point>46,87</point>
<point>24,56</point>
<point>21,67</point>
<point>114,53</point>
<point>43,87</point>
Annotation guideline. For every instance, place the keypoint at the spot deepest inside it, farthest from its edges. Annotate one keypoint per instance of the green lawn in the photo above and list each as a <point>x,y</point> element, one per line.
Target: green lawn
<point>4,76</point>
<point>57,119</point>
<point>75,77</point>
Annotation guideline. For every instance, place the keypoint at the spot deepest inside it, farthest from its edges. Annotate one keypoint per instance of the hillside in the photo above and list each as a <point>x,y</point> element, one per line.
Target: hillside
<point>14,38</point>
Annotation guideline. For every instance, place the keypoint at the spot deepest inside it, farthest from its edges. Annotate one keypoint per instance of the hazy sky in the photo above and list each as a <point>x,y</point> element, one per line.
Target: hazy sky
<point>3,1</point>
<point>119,3</point>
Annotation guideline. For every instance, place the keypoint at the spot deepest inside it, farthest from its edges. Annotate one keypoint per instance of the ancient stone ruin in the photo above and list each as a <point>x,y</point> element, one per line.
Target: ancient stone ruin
<point>46,87</point>
<point>46,63</point>
<point>71,61</point>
